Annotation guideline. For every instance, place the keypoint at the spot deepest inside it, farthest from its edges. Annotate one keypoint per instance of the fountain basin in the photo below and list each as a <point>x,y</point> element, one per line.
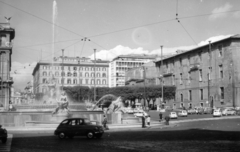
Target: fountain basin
<point>21,119</point>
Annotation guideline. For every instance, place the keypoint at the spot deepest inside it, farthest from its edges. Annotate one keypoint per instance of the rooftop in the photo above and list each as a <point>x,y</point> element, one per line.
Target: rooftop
<point>230,37</point>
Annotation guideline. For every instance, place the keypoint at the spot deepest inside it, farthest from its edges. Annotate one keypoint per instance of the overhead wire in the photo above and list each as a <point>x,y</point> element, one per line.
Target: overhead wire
<point>187,32</point>
<point>48,22</point>
<point>182,24</point>
<point>186,17</point>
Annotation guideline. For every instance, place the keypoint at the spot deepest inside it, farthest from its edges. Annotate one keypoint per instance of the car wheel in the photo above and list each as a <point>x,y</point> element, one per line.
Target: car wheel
<point>4,140</point>
<point>90,135</point>
<point>62,135</point>
<point>99,136</point>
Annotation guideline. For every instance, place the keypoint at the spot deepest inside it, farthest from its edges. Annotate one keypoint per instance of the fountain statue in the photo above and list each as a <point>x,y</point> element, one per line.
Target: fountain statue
<point>62,108</point>
<point>116,106</point>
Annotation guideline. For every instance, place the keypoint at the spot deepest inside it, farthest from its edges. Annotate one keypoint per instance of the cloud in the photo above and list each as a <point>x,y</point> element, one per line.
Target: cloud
<point>22,74</point>
<point>118,50</point>
<point>123,50</point>
<point>214,39</point>
<point>218,12</point>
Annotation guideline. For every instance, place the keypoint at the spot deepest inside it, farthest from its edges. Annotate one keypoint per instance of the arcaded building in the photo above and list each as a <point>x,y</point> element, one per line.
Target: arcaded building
<point>70,71</point>
<point>206,76</point>
<point>7,35</point>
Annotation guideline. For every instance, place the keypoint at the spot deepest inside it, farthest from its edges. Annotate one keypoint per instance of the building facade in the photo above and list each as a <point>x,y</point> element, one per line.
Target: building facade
<point>119,65</point>
<point>70,71</point>
<point>207,76</point>
<point>7,34</point>
<point>137,76</point>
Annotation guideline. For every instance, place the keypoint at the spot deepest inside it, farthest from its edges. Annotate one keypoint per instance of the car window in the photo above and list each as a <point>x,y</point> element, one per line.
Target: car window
<point>87,121</point>
<point>80,122</point>
<point>74,122</point>
<point>65,122</point>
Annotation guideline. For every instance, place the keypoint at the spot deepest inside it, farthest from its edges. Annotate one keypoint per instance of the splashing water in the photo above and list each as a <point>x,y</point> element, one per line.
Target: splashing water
<point>105,96</point>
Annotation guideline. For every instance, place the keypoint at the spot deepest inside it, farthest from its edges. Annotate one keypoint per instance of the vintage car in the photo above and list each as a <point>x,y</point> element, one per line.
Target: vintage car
<point>191,111</point>
<point>78,127</point>
<point>217,113</point>
<point>3,134</point>
<point>140,114</point>
<point>182,113</point>
<point>173,115</point>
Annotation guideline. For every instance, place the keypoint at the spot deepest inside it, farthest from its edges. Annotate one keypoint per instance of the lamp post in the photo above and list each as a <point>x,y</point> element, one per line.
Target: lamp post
<point>210,61</point>
<point>144,76</point>
<point>62,68</point>
<point>162,69</point>
<point>94,75</point>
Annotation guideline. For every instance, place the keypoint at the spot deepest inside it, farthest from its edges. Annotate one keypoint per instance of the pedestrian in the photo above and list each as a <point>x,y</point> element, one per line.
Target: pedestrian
<point>148,120</point>
<point>160,116</point>
<point>10,105</point>
<point>143,120</point>
<point>104,122</point>
<point>167,119</point>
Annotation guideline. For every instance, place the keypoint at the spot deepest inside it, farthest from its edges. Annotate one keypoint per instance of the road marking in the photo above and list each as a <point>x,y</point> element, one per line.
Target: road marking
<point>7,146</point>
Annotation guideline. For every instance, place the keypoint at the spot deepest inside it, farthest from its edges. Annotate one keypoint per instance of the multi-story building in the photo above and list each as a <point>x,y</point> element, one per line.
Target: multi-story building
<point>70,71</point>
<point>208,75</point>
<point>119,65</point>
<point>137,76</point>
<point>7,34</point>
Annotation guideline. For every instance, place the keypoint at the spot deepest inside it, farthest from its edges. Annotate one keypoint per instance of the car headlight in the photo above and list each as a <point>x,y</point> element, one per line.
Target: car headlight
<point>96,128</point>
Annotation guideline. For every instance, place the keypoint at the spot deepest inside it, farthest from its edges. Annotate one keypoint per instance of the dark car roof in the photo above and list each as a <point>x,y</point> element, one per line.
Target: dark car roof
<point>75,118</point>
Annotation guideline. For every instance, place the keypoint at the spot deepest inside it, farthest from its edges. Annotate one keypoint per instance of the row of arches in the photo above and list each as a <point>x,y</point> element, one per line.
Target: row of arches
<point>74,74</point>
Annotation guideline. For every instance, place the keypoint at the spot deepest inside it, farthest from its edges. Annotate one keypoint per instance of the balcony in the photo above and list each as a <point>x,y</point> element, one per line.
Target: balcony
<point>194,67</point>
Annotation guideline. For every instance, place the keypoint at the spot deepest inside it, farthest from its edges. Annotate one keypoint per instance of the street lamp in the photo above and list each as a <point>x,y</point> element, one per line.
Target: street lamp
<point>62,68</point>
<point>94,75</point>
<point>162,69</point>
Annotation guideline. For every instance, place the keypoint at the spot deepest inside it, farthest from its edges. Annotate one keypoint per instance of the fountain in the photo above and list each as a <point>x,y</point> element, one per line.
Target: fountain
<point>49,112</point>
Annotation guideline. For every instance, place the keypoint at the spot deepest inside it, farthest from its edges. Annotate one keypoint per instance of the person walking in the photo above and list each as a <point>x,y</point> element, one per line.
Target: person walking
<point>143,120</point>
<point>104,122</point>
<point>148,120</point>
<point>167,118</point>
<point>160,116</point>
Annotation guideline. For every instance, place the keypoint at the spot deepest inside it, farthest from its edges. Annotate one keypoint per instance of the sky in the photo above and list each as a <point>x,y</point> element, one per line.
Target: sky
<point>112,27</point>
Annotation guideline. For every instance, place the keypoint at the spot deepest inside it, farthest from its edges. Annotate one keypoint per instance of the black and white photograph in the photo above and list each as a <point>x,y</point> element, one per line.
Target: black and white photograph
<point>119,75</point>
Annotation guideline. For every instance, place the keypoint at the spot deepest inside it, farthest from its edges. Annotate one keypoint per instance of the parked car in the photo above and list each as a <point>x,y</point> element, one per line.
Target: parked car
<point>3,134</point>
<point>207,110</point>
<point>200,111</point>
<point>140,114</point>
<point>78,127</point>
<point>224,112</point>
<point>182,113</point>
<point>191,111</point>
<point>230,112</point>
<point>173,115</point>
<point>217,113</point>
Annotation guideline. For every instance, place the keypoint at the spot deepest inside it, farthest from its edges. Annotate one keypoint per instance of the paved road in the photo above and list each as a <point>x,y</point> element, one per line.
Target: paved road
<point>155,116</point>
<point>216,136</point>
<point>7,146</point>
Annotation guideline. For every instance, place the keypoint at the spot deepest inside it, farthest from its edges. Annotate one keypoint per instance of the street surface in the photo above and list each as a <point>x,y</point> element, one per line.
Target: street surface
<point>198,136</point>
